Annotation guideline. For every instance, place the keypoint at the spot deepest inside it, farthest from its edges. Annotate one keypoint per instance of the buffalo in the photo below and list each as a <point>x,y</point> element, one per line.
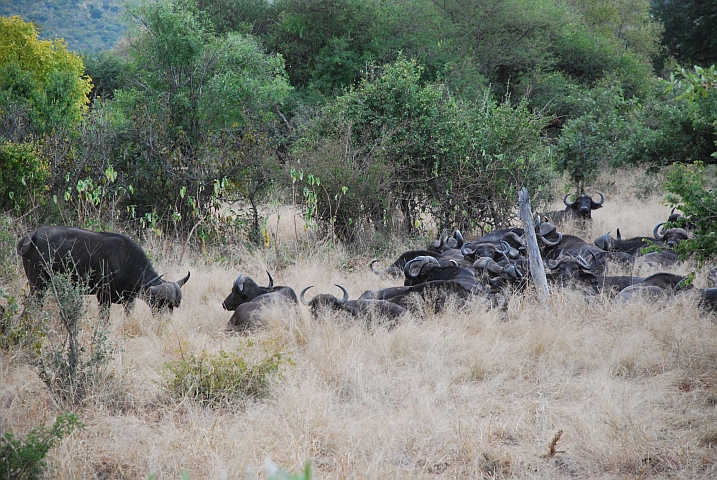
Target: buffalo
<point>579,209</point>
<point>110,265</point>
<point>247,299</point>
<point>368,308</point>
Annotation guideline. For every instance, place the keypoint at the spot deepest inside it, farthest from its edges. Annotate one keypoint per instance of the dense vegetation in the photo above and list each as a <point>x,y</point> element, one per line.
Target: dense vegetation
<point>377,116</point>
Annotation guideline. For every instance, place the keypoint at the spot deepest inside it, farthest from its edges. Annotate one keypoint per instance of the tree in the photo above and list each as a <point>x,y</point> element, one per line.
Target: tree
<point>42,85</point>
<point>186,86</point>
<point>690,27</point>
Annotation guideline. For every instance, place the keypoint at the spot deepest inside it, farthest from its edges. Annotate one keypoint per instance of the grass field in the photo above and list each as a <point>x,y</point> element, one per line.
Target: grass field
<point>570,389</point>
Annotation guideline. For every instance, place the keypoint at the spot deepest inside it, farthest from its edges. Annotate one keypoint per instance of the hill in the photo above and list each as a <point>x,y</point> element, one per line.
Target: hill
<point>87,26</point>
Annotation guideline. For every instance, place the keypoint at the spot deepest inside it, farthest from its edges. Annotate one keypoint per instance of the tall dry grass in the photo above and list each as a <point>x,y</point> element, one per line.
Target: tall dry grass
<point>467,393</point>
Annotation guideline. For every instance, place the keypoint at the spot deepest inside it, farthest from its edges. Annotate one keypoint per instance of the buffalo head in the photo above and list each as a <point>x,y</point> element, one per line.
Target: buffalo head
<point>670,237</point>
<point>165,295</point>
<point>245,290</point>
<point>583,205</point>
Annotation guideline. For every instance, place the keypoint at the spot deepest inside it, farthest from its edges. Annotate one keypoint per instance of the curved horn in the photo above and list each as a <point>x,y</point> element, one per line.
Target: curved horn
<point>271,280</point>
<point>549,243</point>
<point>149,284</point>
<point>565,201</point>
<point>619,235</point>
<point>656,231</point>
<point>505,245</point>
<point>239,283</point>
<point>182,281</point>
<point>345,298</point>
<point>672,212</point>
<point>301,296</point>
<point>602,199</point>
<point>467,252</point>
<point>459,237</point>
<point>377,272</point>
<point>493,266</point>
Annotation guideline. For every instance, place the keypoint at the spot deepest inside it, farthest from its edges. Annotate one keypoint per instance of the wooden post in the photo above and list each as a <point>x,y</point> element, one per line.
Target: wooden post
<point>537,270</point>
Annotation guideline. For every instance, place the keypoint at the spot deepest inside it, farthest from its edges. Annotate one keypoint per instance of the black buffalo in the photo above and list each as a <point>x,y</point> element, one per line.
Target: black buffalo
<point>632,246</point>
<point>369,308</point>
<point>110,265</point>
<point>247,299</point>
<point>424,269</point>
<point>396,268</point>
<point>579,209</point>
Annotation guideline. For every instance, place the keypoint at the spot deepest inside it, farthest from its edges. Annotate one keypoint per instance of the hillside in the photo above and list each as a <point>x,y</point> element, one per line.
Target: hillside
<point>87,26</point>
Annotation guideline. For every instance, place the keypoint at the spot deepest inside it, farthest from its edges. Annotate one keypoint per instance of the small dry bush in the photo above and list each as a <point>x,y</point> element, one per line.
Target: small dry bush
<point>222,380</point>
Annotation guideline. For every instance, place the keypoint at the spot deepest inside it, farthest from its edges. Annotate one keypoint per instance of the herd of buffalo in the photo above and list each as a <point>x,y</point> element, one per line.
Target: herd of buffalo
<point>484,269</point>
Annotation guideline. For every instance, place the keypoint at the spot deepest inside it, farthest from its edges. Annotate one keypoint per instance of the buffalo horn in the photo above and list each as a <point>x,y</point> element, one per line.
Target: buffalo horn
<point>602,199</point>
<point>239,283</point>
<point>565,201</point>
<point>182,281</point>
<point>271,280</point>
<point>619,235</point>
<point>301,296</point>
<point>459,237</point>
<point>656,231</point>
<point>467,252</point>
<point>154,280</point>
<point>345,298</point>
<point>549,243</point>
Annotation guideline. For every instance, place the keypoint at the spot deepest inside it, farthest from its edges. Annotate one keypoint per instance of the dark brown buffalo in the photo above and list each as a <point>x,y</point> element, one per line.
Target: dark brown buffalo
<point>110,265</point>
<point>579,209</point>
<point>247,299</point>
<point>369,308</point>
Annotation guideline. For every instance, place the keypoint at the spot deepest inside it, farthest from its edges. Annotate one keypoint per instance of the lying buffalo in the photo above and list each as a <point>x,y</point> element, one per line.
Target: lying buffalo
<point>110,265</point>
<point>363,307</point>
<point>247,299</point>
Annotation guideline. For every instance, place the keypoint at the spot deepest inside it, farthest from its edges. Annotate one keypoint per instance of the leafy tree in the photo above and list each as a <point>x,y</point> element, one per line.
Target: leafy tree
<point>690,27</point>
<point>186,88</point>
<point>42,85</point>
<point>690,189</point>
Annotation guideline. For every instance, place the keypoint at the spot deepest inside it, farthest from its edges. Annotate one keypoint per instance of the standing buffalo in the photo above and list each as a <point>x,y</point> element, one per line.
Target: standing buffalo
<point>247,299</point>
<point>111,265</point>
<point>579,209</point>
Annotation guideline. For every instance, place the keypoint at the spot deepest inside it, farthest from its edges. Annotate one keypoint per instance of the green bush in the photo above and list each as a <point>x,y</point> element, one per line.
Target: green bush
<point>25,458</point>
<point>217,380</point>
<point>23,174</point>
<point>690,189</point>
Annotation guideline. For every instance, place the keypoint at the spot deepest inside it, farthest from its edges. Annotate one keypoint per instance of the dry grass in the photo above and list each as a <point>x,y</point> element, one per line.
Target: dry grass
<point>468,393</point>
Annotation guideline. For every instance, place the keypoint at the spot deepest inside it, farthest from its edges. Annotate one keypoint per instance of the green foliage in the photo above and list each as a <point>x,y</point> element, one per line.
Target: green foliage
<point>690,189</point>
<point>221,380</point>
<point>411,146</point>
<point>18,330</point>
<point>25,458</point>
<point>590,141</point>
<point>690,27</point>
<point>23,177</point>
<point>42,85</point>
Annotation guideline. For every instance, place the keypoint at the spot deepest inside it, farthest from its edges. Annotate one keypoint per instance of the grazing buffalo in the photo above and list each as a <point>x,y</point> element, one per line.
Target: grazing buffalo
<point>363,307</point>
<point>110,265</point>
<point>579,209</point>
<point>247,299</point>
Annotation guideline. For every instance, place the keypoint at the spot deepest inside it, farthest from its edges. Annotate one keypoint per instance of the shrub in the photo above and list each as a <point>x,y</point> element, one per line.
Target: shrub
<point>72,362</point>
<point>216,380</point>
<point>25,458</point>
<point>22,177</point>
<point>690,190</point>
